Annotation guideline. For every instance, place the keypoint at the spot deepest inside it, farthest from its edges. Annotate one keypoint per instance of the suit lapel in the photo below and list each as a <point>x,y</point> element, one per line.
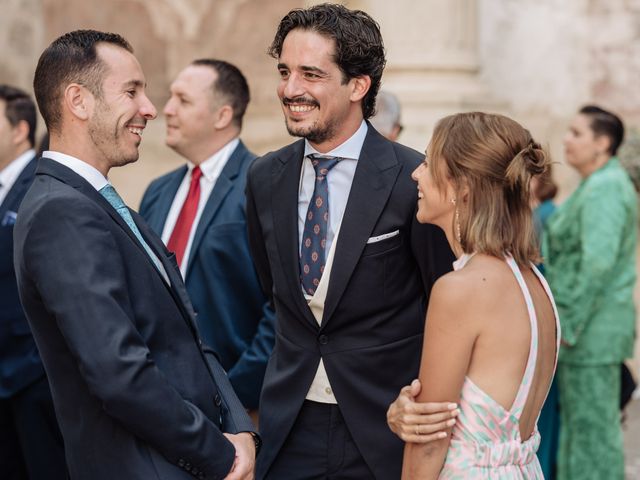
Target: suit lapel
<point>168,260</point>
<point>373,182</point>
<point>221,189</point>
<point>164,199</point>
<point>285,181</point>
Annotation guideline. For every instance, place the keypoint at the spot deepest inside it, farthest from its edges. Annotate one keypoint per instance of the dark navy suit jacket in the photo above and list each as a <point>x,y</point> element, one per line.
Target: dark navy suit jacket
<point>233,314</point>
<point>371,333</point>
<point>20,363</point>
<point>136,395</point>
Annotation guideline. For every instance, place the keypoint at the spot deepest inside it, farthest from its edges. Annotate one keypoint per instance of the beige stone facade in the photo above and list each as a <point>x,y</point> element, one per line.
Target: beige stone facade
<point>536,60</point>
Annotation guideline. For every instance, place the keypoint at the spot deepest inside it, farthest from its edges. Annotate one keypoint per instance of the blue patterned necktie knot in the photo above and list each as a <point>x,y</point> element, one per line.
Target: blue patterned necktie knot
<point>314,236</point>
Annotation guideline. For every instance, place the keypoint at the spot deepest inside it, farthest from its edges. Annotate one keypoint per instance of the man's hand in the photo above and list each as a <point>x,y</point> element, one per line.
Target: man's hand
<point>245,462</point>
<point>420,422</point>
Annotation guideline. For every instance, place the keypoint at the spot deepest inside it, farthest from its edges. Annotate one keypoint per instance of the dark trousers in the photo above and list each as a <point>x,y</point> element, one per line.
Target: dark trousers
<point>31,445</point>
<point>319,447</point>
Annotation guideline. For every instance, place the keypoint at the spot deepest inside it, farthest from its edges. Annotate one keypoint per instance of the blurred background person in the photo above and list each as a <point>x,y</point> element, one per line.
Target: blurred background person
<point>589,249</point>
<point>199,211</point>
<point>387,117</point>
<point>31,445</point>
<point>543,191</point>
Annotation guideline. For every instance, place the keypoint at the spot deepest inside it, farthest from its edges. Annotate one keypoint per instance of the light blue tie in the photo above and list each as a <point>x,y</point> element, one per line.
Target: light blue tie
<point>110,194</point>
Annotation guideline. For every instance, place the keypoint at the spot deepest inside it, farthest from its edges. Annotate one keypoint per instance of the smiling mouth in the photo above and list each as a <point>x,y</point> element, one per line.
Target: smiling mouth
<point>300,108</point>
<point>136,130</point>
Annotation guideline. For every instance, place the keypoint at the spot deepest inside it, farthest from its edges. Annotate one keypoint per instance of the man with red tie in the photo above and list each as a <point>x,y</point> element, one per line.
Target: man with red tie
<point>199,211</point>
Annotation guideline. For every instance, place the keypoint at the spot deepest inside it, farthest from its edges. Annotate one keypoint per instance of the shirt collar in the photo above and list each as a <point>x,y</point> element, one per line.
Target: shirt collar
<point>349,149</point>
<point>11,172</point>
<point>86,171</point>
<point>213,165</point>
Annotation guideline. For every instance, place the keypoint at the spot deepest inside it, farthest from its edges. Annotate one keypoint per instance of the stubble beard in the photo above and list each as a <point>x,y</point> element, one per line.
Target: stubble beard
<point>107,139</point>
<point>315,133</point>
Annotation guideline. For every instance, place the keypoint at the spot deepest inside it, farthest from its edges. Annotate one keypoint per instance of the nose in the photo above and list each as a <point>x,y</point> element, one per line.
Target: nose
<point>416,173</point>
<point>169,107</point>
<point>292,86</point>
<point>147,110</point>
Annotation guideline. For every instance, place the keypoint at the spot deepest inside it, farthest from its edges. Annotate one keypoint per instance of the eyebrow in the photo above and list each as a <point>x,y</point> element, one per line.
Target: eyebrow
<point>134,83</point>
<point>305,68</point>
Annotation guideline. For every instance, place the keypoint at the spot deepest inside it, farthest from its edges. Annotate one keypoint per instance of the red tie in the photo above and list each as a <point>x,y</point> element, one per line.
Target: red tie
<point>180,235</point>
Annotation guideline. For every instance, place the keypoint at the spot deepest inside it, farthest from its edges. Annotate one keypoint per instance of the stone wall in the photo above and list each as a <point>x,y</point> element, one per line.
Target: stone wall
<point>537,60</point>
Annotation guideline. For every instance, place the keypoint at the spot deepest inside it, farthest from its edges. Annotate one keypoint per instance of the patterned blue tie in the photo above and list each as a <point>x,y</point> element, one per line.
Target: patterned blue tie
<point>110,194</point>
<point>314,236</point>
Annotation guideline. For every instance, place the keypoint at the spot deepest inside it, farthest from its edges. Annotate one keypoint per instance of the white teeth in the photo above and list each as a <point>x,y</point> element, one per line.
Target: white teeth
<point>137,131</point>
<point>301,108</point>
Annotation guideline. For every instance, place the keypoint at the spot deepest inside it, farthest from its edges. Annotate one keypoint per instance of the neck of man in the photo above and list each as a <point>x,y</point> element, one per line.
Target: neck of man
<point>217,141</point>
<point>342,133</point>
<point>14,154</point>
<point>67,144</point>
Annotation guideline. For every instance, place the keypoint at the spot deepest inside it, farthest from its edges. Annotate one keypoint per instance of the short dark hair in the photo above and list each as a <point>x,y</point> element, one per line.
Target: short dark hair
<point>605,123</point>
<point>71,58</point>
<point>231,84</point>
<point>18,107</point>
<point>359,46</point>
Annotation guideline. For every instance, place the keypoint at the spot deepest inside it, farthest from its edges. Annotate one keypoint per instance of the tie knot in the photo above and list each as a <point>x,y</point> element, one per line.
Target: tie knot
<point>196,173</point>
<point>322,164</point>
<point>110,194</point>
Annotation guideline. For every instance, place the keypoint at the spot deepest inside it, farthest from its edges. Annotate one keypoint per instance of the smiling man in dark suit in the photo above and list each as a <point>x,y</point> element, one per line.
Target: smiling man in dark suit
<point>30,442</point>
<point>135,395</point>
<point>337,245</point>
<point>199,211</point>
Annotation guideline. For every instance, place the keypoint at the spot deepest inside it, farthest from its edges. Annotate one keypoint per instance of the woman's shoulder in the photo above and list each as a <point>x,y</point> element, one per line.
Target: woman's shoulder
<point>480,282</point>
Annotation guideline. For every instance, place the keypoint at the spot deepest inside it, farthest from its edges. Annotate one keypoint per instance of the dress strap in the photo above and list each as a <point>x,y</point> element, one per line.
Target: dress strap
<point>525,385</point>
<point>463,260</point>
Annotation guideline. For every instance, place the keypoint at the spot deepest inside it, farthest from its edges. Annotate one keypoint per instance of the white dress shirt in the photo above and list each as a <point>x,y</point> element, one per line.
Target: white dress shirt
<point>211,169</point>
<point>339,180</point>
<point>10,173</point>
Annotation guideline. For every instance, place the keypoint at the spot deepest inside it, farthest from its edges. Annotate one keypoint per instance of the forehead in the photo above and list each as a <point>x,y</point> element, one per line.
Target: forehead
<point>122,66</point>
<point>195,80</point>
<point>581,122</point>
<point>307,48</point>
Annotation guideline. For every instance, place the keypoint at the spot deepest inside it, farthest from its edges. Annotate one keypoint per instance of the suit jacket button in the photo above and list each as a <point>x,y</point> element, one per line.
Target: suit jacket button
<point>187,466</point>
<point>217,400</point>
<point>323,339</point>
<point>181,463</point>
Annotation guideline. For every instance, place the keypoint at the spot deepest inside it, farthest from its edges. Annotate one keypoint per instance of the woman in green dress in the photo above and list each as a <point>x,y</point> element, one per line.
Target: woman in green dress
<point>589,250</point>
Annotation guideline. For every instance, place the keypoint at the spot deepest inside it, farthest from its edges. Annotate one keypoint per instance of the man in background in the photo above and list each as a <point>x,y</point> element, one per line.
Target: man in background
<point>387,117</point>
<point>30,442</point>
<point>199,211</point>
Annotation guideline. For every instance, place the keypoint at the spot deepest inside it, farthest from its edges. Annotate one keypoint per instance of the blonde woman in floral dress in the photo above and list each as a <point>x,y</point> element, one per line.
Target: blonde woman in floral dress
<point>492,333</point>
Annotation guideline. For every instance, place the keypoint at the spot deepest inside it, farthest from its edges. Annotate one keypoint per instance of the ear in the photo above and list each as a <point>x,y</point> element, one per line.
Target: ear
<point>359,87</point>
<point>223,117</point>
<point>603,143</point>
<point>464,191</point>
<point>20,132</point>
<point>78,101</point>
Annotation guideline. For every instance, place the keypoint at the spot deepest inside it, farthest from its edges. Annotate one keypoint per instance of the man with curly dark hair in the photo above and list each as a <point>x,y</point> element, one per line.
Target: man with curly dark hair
<point>337,247</point>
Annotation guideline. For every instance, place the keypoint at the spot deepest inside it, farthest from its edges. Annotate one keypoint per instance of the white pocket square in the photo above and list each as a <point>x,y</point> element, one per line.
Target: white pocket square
<point>384,236</point>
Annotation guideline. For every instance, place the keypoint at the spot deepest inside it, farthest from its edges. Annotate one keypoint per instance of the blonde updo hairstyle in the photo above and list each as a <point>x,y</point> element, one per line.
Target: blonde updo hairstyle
<point>493,158</point>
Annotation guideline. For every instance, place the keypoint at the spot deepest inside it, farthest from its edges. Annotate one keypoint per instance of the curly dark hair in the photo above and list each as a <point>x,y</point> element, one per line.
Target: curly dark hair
<point>359,47</point>
<point>71,58</point>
